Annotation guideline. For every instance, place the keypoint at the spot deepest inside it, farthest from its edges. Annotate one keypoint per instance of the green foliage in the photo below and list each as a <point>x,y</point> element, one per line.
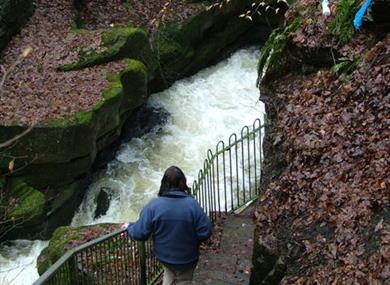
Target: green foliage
<point>346,65</point>
<point>342,24</point>
<point>273,50</point>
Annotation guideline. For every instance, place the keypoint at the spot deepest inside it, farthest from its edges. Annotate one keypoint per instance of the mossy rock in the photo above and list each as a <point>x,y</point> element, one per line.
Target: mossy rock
<point>173,50</point>
<point>134,79</point>
<point>66,238</point>
<point>184,48</point>
<point>56,248</point>
<point>211,47</point>
<point>57,174</point>
<point>118,43</point>
<point>30,204</point>
<point>13,15</point>
<point>56,152</point>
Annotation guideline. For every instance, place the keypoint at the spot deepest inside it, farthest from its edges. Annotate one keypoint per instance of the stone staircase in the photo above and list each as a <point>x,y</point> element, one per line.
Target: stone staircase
<point>231,264</point>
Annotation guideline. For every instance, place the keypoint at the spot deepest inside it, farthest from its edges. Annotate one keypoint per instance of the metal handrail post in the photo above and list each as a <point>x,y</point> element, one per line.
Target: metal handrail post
<point>133,261</point>
<point>142,263</point>
<point>73,274</point>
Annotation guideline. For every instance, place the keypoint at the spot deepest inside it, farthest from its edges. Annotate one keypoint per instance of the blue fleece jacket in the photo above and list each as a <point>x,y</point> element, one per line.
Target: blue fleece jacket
<point>178,225</point>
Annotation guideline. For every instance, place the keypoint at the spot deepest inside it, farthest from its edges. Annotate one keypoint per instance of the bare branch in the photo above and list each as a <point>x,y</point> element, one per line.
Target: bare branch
<point>15,138</point>
<point>5,72</point>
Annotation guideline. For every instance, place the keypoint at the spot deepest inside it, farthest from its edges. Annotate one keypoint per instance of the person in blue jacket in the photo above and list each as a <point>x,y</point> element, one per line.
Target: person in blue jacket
<point>178,225</point>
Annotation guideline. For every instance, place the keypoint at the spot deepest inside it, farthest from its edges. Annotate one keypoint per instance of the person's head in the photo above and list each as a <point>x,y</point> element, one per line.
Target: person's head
<point>173,178</point>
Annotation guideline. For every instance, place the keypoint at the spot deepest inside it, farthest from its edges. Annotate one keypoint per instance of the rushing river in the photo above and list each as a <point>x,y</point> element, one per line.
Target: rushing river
<point>203,109</point>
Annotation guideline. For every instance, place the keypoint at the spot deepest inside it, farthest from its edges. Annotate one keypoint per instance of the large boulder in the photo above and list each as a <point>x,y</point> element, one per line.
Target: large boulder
<point>66,238</point>
<point>117,43</point>
<point>35,213</point>
<point>103,201</point>
<point>57,152</point>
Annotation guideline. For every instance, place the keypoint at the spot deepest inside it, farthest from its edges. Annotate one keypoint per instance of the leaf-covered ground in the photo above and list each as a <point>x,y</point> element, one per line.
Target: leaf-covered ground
<point>329,211</point>
<point>99,14</point>
<point>35,91</point>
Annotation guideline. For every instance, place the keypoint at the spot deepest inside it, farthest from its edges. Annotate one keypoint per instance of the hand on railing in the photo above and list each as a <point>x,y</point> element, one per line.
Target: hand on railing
<point>124,227</point>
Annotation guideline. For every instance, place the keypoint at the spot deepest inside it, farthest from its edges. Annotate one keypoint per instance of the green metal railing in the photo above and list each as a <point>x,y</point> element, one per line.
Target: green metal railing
<point>228,181</point>
<point>112,259</point>
<point>230,175</point>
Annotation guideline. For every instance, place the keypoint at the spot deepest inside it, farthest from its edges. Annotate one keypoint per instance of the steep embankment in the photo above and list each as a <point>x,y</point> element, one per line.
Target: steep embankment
<point>89,70</point>
<point>324,216</point>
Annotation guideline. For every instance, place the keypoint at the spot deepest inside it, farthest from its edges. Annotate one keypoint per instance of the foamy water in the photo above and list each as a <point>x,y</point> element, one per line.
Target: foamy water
<point>18,261</point>
<point>204,109</point>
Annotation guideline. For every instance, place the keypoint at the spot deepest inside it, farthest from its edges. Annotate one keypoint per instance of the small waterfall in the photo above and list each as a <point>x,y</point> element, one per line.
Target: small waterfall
<point>203,109</point>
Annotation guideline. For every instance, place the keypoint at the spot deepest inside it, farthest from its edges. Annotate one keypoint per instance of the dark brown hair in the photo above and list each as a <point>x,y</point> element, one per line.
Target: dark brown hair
<point>173,178</point>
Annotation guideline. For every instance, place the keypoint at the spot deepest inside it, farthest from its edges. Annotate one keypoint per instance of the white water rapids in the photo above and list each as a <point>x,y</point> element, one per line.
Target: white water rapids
<point>203,109</point>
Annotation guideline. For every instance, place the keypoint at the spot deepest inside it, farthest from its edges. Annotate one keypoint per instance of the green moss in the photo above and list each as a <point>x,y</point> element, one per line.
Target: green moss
<point>75,119</point>
<point>114,92</point>
<point>30,203</point>
<point>134,74</point>
<point>273,50</point>
<point>134,79</point>
<point>65,238</point>
<point>118,34</point>
<point>118,43</point>
<point>342,24</point>
<point>173,49</point>
<point>61,237</point>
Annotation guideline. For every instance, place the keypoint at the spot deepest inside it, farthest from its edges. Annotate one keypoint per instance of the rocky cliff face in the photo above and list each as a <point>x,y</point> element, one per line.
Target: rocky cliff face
<point>323,214</point>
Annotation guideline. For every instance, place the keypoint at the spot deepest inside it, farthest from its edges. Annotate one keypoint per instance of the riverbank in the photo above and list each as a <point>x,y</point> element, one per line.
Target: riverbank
<point>324,212</point>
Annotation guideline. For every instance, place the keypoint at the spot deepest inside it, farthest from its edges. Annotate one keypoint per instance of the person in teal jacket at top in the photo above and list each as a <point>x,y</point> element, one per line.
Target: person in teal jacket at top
<point>178,225</point>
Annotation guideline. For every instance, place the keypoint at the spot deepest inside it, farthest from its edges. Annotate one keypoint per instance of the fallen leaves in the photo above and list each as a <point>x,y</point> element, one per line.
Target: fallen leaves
<point>335,195</point>
<point>35,91</point>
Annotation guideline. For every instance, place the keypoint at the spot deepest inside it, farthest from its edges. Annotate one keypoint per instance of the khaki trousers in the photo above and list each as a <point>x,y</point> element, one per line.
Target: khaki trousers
<point>178,277</point>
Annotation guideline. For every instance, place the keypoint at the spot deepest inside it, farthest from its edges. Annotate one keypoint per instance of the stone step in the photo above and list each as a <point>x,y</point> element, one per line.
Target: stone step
<point>232,262</point>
